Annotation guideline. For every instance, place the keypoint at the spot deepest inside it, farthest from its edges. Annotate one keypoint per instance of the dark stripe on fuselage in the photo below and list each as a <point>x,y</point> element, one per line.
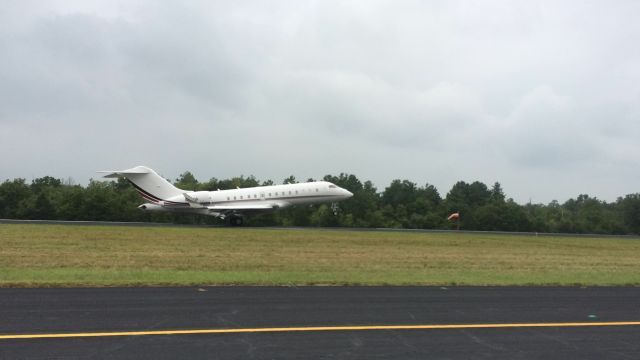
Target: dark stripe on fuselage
<point>148,196</point>
<point>142,191</point>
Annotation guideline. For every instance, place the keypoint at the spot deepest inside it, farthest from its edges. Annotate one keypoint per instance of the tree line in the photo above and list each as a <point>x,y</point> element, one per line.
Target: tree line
<point>402,204</point>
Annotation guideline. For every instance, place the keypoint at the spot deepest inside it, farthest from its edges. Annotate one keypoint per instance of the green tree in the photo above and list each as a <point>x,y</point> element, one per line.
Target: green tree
<point>43,208</point>
<point>399,192</point>
<point>70,203</point>
<point>40,184</point>
<point>290,180</point>
<point>187,181</point>
<point>630,208</point>
<point>496,195</point>
<point>13,196</point>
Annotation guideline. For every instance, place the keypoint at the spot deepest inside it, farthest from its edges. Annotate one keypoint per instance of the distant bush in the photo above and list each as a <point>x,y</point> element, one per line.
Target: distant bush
<point>402,204</point>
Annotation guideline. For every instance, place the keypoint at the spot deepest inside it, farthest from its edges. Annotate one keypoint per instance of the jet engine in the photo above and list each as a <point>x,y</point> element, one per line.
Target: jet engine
<point>150,207</point>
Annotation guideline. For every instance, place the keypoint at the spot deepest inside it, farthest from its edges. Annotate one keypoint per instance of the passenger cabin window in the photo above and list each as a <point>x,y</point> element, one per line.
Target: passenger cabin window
<point>228,198</point>
<point>317,190</point>
<point>240,197</point>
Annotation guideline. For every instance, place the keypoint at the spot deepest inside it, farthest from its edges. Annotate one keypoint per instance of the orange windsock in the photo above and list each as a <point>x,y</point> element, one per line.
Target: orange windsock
<point>454,216</point>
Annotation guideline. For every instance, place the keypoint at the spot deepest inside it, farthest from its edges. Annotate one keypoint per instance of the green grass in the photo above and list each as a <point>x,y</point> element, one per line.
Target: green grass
<point>45,255</point>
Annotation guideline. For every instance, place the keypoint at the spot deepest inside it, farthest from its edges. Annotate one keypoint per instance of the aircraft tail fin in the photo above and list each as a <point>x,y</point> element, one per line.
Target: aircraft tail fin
<point>149,184</point>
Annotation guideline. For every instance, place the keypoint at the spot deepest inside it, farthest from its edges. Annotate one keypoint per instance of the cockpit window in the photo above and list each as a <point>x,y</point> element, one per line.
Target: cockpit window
<point>332,186</point>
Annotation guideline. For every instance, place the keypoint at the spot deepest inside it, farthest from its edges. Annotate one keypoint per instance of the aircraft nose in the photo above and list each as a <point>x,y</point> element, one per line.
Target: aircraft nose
<point>347,193</point>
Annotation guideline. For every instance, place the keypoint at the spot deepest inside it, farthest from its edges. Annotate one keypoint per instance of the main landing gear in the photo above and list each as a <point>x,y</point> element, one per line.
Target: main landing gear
<point>235,220</point>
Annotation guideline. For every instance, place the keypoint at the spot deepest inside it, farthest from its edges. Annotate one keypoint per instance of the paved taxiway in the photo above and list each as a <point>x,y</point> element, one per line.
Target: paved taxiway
<point>150,224</point>
<point>152,310</point>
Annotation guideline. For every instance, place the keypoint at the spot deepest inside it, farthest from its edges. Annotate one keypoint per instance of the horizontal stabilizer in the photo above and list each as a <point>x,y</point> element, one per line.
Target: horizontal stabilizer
<point>135,170</point>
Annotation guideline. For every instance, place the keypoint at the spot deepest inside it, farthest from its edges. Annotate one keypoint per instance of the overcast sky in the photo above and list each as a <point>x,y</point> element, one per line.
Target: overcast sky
<point>542,96</point>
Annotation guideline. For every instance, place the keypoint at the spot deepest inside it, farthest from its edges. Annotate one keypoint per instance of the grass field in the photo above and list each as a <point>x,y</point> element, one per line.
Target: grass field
<point>54,255</point>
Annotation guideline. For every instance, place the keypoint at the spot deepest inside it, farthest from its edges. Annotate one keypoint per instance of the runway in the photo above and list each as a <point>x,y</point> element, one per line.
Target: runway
<point>301,228</point>
<point>322,322</point>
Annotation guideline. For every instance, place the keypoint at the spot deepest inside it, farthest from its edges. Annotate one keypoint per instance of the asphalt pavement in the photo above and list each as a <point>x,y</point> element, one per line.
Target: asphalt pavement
<point>541,316</point>
<point>302,228</point>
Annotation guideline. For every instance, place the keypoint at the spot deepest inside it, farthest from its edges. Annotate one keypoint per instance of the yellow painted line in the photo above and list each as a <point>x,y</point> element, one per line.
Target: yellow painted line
<point>318,328</point>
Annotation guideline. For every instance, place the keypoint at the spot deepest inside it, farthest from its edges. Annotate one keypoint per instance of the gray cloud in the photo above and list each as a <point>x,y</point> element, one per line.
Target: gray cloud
<point>544,97</point>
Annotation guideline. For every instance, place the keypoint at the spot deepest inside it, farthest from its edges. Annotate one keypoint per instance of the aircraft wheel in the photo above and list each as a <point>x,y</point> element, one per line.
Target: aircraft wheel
<point>236,221</point>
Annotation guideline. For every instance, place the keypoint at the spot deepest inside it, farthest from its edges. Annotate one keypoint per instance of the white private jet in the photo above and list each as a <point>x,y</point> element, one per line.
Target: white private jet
<point>225,204</point>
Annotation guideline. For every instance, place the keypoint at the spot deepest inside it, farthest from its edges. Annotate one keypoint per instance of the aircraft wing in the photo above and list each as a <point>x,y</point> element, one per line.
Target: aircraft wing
<point>262,206</point>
